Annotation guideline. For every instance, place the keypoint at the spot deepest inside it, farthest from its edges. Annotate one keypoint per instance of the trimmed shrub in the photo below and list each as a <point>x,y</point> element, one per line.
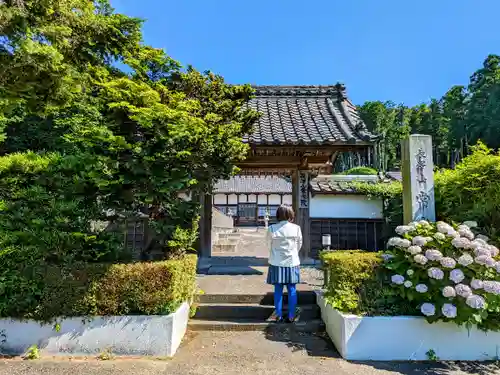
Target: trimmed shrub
<point>360,171</point>
<point>48,293</point>
<point>357,285</point>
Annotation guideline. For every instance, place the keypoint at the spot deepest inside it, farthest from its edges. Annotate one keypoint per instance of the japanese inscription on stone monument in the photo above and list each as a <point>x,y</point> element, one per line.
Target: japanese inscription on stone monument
<point>418,178</point>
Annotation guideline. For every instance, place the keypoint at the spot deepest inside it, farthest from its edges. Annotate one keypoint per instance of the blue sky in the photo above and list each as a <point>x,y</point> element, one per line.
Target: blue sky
<point>406,51</point>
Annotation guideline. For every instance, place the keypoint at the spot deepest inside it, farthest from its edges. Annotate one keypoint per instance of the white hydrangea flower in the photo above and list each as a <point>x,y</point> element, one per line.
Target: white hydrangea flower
<point>399,242</point>
<point>421,288</point>
<point>493,250</point>
<point>387,257</point>
<point>465,260</point>
<point>435,273</point>
<point>492,287</point>
<point>414,250</point>
<point>410,272</point>
<point>393,241</point>
<point>448,262</point>
<point>408,284</point>
<point>476,284</point>
<point>419,241</point>
<point>413,225</point>
<point>457,275</point>
<point>482,251</point>
<point>428,309</point>
<point>497,267</point>
<point>460,243</point>
<point>470,224</point>
<point>424,223</point>
<point>467,233</point>
<point>449,310</point>
<point>463,290</point>
<point>433,254</point>
<point>443,227</point>
<point>440,236</point>
<point>453,233</point>
<point>482,237</point>
<point>449,292</point>
<point>420,259</point>
<point>398,279</point>
<point>403,229</point>
<point>485,260</point>
<point>475,301</point>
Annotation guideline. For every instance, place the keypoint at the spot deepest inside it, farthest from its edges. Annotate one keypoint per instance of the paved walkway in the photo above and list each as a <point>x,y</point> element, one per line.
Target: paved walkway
<point>242,353</point>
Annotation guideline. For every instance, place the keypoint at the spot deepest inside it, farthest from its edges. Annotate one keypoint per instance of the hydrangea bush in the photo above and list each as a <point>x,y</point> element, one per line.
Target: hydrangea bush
<point>447,271</point>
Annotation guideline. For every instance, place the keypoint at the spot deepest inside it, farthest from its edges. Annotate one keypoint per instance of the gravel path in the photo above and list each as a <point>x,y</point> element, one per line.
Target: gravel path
<point>242,353</point>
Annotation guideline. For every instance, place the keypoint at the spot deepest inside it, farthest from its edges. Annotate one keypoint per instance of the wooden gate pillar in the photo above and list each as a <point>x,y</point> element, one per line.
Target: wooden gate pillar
<point>205,246</point>
<point>300,199</point>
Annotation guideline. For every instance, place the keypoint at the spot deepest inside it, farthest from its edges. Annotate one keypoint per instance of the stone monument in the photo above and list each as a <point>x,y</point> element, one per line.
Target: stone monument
<point>418,178</point>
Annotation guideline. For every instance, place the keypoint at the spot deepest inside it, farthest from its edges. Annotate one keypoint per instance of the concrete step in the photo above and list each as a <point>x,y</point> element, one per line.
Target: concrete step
<point>251,311</point>
<point>224,248</point>
<point>304,298</point>
<point>234,235</point>
<point>255,325</point>
<point>228,241</point>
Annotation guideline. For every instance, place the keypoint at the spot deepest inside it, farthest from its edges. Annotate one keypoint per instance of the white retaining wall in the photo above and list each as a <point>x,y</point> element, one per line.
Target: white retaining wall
<point>154,335</point>
<point>402,338</point>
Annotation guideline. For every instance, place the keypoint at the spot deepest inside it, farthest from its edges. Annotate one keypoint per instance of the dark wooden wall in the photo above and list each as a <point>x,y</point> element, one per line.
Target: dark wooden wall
<point>347,234</point>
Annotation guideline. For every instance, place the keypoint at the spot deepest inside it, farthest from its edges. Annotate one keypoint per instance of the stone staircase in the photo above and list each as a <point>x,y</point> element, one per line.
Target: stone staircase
<point>252,312</point>
<point>226,243</point>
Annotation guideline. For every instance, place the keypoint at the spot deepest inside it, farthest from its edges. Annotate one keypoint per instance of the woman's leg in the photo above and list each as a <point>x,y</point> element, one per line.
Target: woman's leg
<point>292,300</point>
<point>278,299</point>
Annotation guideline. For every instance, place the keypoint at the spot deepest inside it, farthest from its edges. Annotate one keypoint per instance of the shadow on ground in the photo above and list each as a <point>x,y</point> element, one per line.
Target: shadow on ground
<point>315,344</point>
<point>434,368</point>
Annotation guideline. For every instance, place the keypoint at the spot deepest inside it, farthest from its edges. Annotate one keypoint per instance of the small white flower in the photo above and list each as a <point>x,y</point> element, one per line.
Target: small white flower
<point>424,223</point>
<point>492,287</point>
<point>393,241</point>
<point>465,260</point>
<point>440,236</point>
<point>460,243</point>
<point>463,290</point>
<point>449,310</point>
<point>449,292</point>
<point>421,288</point>
<point>387,257</point>
<point>435,273</point>
<point>453,233</point>
<point>419,241</point>
<point>448,262</point>
<point>485,260</point>
<point>408,284</point>
<point>420,259</point>
<point>482,237</point>
<point>470,224</point>
<point>476,284</point>
<point>457,275</point>
<point>428,309</point>
<point>404,243</point>
<point>433,254</point>
<point>403,229</point>
<point>467,233</point>
<point>410,272</point>
<point>475,301</point>
<point>413,225</point>
<point>398,279</point>
<point>414,250</point>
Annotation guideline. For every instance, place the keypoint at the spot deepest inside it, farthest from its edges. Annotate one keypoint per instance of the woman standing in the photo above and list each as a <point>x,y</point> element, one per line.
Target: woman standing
<point>284,242</point>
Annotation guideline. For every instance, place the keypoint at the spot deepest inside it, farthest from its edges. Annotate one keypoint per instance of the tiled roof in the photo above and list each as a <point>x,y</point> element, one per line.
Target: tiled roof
<point>306,115</point>
<point>254,184</point>
<point>340,184</point>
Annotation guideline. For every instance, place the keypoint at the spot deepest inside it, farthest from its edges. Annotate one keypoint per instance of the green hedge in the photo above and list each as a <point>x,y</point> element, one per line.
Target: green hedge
<point>356,284</point>
<point>152,288</point>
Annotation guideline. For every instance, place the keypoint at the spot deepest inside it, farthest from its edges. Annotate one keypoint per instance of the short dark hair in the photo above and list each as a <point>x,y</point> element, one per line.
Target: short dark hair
<point>285,212</point>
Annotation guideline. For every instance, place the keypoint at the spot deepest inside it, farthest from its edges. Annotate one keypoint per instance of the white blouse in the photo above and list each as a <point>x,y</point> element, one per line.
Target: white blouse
<point>284,241</point>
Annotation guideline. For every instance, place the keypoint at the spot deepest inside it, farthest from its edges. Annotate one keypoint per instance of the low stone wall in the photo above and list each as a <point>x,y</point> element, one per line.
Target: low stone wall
<point>220,224</point>
<point>405,338</point>
<point>152,335</point>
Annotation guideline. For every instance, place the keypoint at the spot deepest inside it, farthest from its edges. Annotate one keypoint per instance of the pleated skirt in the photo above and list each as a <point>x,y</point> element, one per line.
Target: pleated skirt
<point>283,275</point>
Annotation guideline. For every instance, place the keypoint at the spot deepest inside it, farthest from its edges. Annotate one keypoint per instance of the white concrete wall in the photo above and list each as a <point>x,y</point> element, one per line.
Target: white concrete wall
<point>219,199</point>
<point>154,335</point>
<point>405,338</point>
<point>274,199</point>
<point>345,206</point>
<point>233,199</point>
<point>287,199</point>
